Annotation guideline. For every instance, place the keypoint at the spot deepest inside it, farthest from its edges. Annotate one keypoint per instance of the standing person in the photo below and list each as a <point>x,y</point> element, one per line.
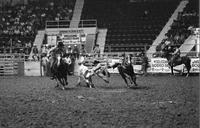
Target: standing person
<point>35,53</point>
<point>76,51</point>
<point>96,51</point>
<point>44,50</point>
<point>83,50</point>
<point>69,50</point>
<point>145,63</point>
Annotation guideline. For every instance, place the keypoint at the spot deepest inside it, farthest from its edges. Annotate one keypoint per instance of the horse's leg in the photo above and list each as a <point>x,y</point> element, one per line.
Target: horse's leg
<point>90,81</point>
<point>172,70</point>
<point>57,83</point>
<point>61,83</point>
<point>124,77</point>
<point>105,78</point>
<point>188,69</point>
<point>87,83</point>
<point>133,77</point>
<point>79,81</point>
<point>66,83</point>
<point>130,79</point>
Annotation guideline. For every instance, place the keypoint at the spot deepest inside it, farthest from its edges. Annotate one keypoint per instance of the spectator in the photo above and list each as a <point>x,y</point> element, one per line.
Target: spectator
<point>96,51</point>
<point>83,50</point>
<point>44,50</point>
<point>35,53</point>
<point>69,50</point>
<point>76,51</point>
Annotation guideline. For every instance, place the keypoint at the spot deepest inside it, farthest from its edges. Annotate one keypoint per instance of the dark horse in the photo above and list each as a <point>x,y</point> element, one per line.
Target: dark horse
<point>60,70</point>
<point>126,71</point>
<point>174,62</point>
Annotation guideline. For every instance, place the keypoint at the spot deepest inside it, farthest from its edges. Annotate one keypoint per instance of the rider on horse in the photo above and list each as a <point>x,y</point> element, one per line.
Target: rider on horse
<point>176,53</point>
<point>60,49</point>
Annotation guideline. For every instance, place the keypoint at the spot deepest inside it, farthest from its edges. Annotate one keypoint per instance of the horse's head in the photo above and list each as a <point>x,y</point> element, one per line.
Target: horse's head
<point>58,58</point>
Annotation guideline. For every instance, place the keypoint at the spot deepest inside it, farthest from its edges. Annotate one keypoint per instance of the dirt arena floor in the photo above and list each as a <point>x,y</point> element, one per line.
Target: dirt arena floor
<point>158,102</point>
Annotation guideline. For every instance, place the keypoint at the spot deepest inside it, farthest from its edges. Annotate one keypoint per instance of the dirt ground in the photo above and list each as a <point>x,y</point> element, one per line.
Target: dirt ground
<point>158,102</point>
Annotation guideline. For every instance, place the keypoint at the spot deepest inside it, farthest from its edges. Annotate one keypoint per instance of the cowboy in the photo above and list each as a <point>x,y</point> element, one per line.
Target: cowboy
<point>53,51</point>
<point>126,59</point>
<point>176,53</point>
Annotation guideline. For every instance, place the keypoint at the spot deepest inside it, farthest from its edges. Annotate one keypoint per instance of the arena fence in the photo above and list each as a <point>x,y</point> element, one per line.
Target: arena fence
<point>66,23</point>
<point>11,64</point>
<point>16,64</point>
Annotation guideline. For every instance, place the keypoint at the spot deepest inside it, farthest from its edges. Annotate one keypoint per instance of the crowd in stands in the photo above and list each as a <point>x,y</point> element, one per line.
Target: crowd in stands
<point>181,28</point>
<point>19,24</point>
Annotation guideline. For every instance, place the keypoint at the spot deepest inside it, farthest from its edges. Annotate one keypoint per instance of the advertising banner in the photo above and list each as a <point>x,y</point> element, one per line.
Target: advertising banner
<point>160,65</point>
<point>73,38</point>
<point>195,64</point>
<point>70,38</point>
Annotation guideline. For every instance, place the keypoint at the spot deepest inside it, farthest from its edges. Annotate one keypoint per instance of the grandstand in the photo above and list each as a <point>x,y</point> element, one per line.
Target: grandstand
<point>118,26</point>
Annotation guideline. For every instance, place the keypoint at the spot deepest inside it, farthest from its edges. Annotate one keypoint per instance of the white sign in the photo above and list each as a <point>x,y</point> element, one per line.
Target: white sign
<point>195,65</point>
<point>160,65</point>
<point>73,38</point>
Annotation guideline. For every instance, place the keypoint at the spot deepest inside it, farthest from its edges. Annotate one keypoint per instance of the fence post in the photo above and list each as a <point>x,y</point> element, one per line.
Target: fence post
<point>20,68</point>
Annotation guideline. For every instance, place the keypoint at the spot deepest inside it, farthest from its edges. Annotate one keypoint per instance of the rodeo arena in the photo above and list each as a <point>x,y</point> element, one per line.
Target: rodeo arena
<point>99,63</point>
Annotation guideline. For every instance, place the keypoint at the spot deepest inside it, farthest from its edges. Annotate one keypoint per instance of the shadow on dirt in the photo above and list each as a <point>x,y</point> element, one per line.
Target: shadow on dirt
<point>112,87</point>
<point>66,88</point>
<point>140,87</point>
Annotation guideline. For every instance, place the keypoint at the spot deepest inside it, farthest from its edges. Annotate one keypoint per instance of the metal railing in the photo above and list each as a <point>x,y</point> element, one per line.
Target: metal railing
<point>66,23</point>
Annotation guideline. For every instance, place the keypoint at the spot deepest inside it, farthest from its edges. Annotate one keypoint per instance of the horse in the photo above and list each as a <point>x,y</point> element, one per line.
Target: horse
<point>174,62</point>
<point>60,70</point>
<point>126,71</point>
